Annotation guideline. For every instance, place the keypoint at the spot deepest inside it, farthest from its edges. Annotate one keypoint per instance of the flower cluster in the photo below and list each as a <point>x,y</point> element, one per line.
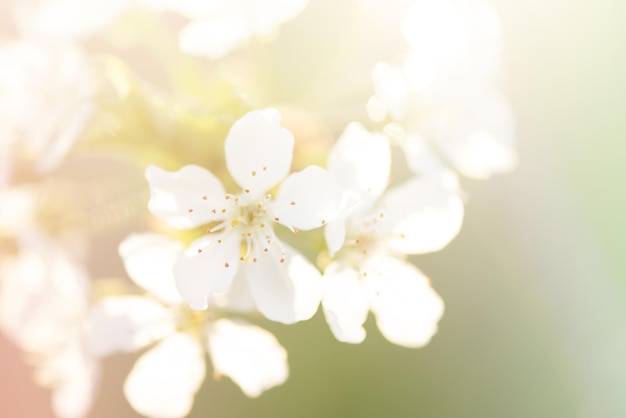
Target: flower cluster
<point>125,231</point>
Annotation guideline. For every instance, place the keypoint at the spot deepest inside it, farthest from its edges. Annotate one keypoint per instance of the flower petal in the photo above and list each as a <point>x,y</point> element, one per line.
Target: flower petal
<point>308,199</point>
<point>335,230</point>
<point>185,198</point>
<point>406,307</point>
<point>335,235</point>
<point>473,127</point>
<point>165,379</point>
<point>258,151</point>
<point>476,135</point>
<point>208,266</point>
<point>149,260</point>
<point>448,38</point>
<point>307,282</point>
<point>77,384</point>
<point>223,24</point>
<point>18,209</point>
<point>127,324</point>
<point>391,92</point>
<point>423,162</point>
<point>213,38</point>
<point>238,297</point>
<point>286,287</point>
<point>43,295</point>
<point>420,216</point>
<point>361,161</point>
<point>249,355</point>
<point>345,303</point>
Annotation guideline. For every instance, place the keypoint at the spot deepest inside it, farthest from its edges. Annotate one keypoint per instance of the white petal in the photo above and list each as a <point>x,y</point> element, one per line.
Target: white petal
<point>307,282</point>
<point>149,260</point>
<point>391,91</point>
<point>185,198</point>
<point>224,24</point>
<point>287,291</point>
<point>19,203</point>
<point>238,297</point>
<point>420,215</point>
<point>165,379</point>
<point>451,38</point>
<point>345,303</point>
<point>423,162</point>
<point>43,295</point>
<point>213,38</point>
<point>335,230</point>
<point>264,16</point>
<point>361,161</point>
<point>308,199</point>
<point>208,266</point>
<point>335,235</point>
<point>473,127</point>
<point>77,384</point>
<point>126,324</point>
<point>249,355</point>
<point>406,307</point>
<point>258,151</point>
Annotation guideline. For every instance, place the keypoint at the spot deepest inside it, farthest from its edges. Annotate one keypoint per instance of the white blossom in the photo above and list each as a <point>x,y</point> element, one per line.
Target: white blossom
<point>44,298</point>
<point>165,379</point>
<point>372,237</point>
<point>445,91</point>
<point>218,26</point>
<point>240,236</point>
<point>451,40</point>
<point>470,124</point>
<point>46,100</point>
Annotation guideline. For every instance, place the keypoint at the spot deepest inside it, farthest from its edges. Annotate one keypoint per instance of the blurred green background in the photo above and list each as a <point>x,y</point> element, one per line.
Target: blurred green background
<point>535,321</point>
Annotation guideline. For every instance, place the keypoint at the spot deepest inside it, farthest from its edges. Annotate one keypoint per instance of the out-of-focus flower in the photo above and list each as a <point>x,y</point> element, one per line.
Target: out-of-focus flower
<point>66,21</point>
<point>17,210</point>
<point>444,93</point>
<point>470,124</point>
<point>46,100</point>
<point>372,237</point>
<point>44,298</point>
<point>164,380</point>
<point>452,39</point>
<point>218,26</point>
<point>241,239</point>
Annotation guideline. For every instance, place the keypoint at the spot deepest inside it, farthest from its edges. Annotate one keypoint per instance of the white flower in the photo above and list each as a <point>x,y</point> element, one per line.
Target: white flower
<point>372,237</point>
<point>240,237</point>
<point>44,299</point>
<point>17,210</point>
<point>470,124</point>
<point>165,379</point>
<point>46,100</point>
<point>444,93</point>
<point>218,26</point>
<point>451,39</point>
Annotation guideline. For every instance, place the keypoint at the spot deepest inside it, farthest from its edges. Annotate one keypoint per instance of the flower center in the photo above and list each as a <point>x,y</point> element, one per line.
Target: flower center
<point>249,219</point>
<point>355,252</point>
<point>190,321</point>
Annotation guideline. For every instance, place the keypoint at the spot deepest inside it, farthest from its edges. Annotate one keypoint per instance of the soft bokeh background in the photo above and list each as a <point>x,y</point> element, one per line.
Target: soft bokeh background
<point>535,322</point>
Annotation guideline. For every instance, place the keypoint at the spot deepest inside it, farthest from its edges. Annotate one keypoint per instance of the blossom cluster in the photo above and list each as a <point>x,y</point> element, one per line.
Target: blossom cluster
<point>216,246</point>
